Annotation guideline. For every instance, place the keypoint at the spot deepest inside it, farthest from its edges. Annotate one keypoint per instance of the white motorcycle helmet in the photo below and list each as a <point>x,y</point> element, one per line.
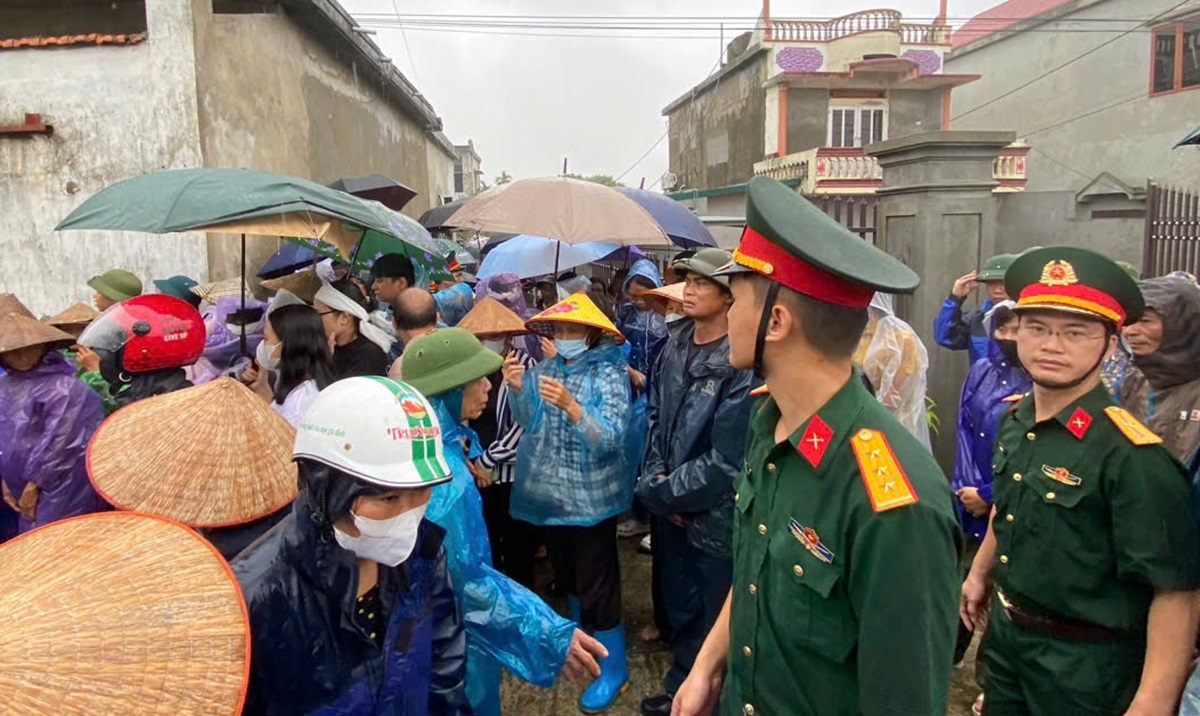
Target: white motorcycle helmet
<point>379,430</point>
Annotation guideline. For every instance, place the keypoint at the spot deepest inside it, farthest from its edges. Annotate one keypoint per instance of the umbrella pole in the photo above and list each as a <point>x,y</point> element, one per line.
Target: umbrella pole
<point>242,290</point>
<point>357,248</point>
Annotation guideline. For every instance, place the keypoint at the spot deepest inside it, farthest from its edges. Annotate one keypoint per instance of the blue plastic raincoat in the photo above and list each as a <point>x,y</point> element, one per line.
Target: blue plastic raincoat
<point>46,420</point>
<point>989,382</point>
<point>957,331</point>
<point>507,625</point>
<point>570,474</point>
<point>454,303</point>
<point>646,331</point>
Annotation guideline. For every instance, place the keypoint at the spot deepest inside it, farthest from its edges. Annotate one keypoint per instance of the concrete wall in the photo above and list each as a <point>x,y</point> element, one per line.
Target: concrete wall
<point>911,112</point>
<point>1043,218</point>
<point>807,119</point>
<point>441,171</point>
<point>716,138</point>
<point>1131,139</point>
<point>117,112</point>
<point>301,111</point>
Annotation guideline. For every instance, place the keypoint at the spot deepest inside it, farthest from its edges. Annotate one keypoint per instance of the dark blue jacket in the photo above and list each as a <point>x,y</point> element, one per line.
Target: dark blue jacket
<point>957,331</point>
<point>698,416</point>
<point>310,658</point>
<point>990,381</point>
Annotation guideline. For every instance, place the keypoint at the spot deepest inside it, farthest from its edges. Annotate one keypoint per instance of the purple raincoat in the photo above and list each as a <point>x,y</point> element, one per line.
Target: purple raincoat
<point>991,380</point>
<point>48,419</point>
<point>222,344</point>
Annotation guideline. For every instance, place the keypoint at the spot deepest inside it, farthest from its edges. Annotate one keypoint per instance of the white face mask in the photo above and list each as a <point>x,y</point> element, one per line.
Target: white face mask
<point>268,355</point>
<point>672,317</point>
<point>388,542</point>
<point>494,346</point>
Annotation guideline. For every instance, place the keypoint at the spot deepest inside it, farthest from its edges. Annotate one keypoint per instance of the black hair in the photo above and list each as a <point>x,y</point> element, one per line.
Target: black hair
<point>394,266</point>
<point>331,493</point>
<point>833,331</point>
<point>1002,316</point>
<point>642,281</point>
<point>305,353</point>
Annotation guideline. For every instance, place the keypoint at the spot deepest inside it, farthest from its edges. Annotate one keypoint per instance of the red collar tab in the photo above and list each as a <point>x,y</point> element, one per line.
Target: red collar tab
<point>759,253</point>
<point>1079,423</point>
<point>815,441</point>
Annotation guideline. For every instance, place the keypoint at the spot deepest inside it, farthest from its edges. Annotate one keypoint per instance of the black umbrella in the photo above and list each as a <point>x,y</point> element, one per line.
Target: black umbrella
<point>388,192</point>
<point>1191,139</point>
<point>436,217</point>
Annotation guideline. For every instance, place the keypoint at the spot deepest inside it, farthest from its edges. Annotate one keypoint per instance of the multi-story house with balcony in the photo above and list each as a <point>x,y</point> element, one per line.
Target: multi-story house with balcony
<point>800,100</point>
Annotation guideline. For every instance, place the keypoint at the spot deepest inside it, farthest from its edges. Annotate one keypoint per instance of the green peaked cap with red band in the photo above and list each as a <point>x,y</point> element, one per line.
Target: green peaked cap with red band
<point>1074,280</point>
<point>789,240</point>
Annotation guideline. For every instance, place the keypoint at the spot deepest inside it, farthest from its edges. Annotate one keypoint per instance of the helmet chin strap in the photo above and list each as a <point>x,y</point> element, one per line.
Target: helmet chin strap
<point>763,322</point>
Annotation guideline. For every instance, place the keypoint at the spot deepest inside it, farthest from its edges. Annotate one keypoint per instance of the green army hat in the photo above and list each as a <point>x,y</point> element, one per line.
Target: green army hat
<point>706,262</point>
<point>994,268</point>
<point>117,285</point>
<point>790,241</point>
<point>1134,272</point>
<point>446,359</point>
<point>179,287</point>
<point>1068,278</point>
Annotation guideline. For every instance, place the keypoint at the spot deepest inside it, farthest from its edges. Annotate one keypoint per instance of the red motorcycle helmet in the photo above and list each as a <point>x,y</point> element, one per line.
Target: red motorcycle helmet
<point>151,332</point>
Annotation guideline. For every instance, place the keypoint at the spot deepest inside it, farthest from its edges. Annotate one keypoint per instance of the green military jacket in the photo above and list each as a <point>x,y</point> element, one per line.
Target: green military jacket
<point>1088,521</point>
<point>846,578</point>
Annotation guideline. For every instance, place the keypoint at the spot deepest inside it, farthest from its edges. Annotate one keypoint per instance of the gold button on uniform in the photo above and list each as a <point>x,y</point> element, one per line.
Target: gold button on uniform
<point>748,710</point>
<point>746,650</point>
<point>736,496</point>
<point>753,589</point>
<point>1009,518</point>
<point>1030,436</point>
<point>1049,495</point>
<point>798,571</point>
<point>762,529</point>
<point>771,468</point>
<point>1004,559</point>
<point>1017,476</point>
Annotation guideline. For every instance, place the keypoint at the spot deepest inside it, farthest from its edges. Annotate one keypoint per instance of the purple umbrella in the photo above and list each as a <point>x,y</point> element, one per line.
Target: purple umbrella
<point>680,224</point>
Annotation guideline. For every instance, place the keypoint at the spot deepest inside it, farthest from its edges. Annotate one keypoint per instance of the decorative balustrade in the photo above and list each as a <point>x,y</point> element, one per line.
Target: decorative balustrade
<point>1009,167</point>
<point>865,21</point>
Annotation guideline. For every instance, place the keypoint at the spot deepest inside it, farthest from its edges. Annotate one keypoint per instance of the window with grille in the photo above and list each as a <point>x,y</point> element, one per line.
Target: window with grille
<point>856,126</point>
<point>1176,56</point>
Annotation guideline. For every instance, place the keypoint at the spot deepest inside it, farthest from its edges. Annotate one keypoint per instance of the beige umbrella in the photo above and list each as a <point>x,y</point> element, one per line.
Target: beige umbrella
<point>568,210</point>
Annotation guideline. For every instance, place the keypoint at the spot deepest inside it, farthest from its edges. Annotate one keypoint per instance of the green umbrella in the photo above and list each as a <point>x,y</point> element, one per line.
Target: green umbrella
<point>404,236</point>
<point>1193,137</point>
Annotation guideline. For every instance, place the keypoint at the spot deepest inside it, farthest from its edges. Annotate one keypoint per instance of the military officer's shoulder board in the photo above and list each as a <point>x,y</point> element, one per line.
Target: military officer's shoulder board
<point>760,391</point>
<point>887,485</point>
<point>1130,427</point>
<point>1014,398</point>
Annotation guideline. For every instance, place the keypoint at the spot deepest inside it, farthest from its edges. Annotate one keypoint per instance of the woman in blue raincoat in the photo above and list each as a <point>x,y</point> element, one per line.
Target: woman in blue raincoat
<point>644,328</point>
<point>454,301</point>
<point>48,417</point>
<point>573,470</point>
<point>350,600</point>
<point>507,625</point>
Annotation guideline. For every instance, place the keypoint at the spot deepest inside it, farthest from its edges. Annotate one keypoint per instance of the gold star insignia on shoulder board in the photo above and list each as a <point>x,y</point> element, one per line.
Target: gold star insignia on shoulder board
<point>887,485</point>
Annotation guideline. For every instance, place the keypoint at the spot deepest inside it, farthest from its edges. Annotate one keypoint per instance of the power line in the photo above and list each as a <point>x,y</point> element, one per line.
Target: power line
<point>407,47</point>
<point>1043,152</point>
<point>1047,73</point>
<point>1089,113</point>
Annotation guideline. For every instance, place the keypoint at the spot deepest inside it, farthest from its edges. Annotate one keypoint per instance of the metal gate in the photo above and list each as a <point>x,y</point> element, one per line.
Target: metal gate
<point>1172,240</point>
<point>856,212</point>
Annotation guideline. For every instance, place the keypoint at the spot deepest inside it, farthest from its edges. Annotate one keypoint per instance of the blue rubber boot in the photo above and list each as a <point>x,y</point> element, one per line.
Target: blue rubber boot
<point>614,674</point>
<point>574,608</point>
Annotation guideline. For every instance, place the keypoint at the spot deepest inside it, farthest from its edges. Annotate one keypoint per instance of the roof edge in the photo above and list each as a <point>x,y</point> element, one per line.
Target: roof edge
<point>711,80</point>
<point>1018,27</point>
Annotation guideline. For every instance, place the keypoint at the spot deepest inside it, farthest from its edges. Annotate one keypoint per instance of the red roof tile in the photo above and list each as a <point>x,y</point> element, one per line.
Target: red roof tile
<point>1001,17</point>
<point>17,43</point>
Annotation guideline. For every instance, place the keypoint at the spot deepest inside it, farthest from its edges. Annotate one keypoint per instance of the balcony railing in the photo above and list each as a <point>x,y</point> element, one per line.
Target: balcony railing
<point>848,170</point>
<point>865,21</point>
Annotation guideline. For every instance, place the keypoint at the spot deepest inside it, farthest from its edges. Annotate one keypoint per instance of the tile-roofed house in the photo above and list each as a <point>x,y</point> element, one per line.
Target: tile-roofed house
<point>1001,17</point>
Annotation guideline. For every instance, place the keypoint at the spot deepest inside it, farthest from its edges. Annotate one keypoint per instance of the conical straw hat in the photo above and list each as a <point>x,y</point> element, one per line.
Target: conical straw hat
<point>215,455</point>
<point>19,331</point>
<point>671,293</point>
<point>304,284</point>
<point>79,314</point>
<point>222,289</point>
<point>119,613</point>
<point>489,316</point>
<point>577,308</point>
<point>11,304</point>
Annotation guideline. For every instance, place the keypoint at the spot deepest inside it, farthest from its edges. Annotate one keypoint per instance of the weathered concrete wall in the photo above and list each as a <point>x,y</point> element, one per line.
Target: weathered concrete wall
<point>1043,218</point>
<point>911,112</point>
<point>1128,133</point>
<point>441,172</point>
<point>118,112</point>
<point>299,111</point>
<point>716,138</point>
<point>807,119</point>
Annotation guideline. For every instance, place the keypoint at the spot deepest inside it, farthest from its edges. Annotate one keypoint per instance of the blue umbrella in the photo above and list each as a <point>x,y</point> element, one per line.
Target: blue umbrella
<point>288,259</point>
<point>677,221</point>
<point>529,256</point>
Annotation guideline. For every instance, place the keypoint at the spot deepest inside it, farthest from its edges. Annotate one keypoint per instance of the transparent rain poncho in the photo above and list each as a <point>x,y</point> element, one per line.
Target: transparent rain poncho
<point>895,361</point>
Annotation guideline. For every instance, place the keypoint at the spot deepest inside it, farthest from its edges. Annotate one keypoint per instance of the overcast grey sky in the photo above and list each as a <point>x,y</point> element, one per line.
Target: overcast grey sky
<point>527,102</point>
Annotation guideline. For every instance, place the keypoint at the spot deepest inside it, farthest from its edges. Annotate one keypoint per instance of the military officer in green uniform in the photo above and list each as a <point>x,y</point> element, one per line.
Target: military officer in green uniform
<point>846,547</point>
<point>1092,548</point>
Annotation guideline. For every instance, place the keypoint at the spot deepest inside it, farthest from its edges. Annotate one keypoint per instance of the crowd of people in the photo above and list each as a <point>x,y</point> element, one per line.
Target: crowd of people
<point>758,416</point>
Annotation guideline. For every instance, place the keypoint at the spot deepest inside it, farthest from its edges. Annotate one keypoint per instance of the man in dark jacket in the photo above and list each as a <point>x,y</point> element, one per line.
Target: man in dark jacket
<point>699,408</point>
<point>958,331</point>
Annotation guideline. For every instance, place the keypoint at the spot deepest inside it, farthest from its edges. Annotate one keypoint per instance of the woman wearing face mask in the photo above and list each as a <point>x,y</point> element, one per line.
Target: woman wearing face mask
<point>359,347</point>
<point>991,386</point>
<point>509,626</point>
<point>573,471</point>
<point>296,352</point>
<point>351,606</point>
<point>514,542</point>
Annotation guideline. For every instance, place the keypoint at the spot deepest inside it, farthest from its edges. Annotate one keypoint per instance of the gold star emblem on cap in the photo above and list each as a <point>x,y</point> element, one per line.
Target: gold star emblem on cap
<point>1058,273</point>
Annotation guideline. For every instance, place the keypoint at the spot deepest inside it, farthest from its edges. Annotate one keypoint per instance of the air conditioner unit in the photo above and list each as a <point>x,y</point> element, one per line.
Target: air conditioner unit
<point>669,181</point>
